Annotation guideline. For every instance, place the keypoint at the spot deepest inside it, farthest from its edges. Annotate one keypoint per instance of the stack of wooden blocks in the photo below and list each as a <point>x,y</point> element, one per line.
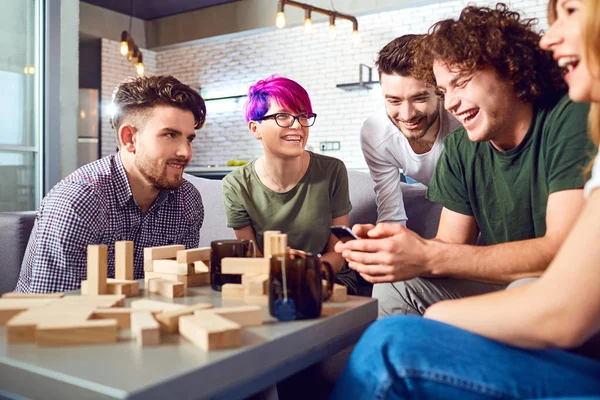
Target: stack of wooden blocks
<point>97,282</point>
<point>169,270</point>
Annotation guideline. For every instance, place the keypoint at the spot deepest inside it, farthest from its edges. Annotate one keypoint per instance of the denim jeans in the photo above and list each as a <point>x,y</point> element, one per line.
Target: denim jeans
<point>408,357</point>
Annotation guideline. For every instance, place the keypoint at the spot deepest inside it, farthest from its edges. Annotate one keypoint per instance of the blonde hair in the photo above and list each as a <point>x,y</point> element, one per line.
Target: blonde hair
<point>591,34</point>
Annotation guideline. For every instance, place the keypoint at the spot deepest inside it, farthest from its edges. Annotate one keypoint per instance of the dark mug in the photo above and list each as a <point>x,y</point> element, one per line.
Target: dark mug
<point>296,288</point>
<point>227,248</point>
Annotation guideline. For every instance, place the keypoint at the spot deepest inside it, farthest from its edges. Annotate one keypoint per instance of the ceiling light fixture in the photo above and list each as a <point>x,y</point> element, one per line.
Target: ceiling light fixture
<point>308,9</point>
<point>130,50</point>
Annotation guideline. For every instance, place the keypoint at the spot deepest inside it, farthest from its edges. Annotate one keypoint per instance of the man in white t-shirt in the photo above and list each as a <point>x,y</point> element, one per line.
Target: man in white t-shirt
<point>408,135</point>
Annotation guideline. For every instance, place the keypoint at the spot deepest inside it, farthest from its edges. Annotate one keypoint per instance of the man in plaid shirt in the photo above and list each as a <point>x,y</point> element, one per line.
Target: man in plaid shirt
<point>137,194</point>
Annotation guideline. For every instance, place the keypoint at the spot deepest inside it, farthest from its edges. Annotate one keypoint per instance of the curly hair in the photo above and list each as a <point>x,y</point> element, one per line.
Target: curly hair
<point>135,96</point>
<point>483,37</point>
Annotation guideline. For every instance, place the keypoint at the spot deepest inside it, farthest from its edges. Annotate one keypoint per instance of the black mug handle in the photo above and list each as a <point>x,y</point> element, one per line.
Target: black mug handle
<point>327,275</point>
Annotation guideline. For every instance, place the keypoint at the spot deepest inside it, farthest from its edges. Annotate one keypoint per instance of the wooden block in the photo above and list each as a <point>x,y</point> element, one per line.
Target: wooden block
<point>172,267</point>
<point>97,265</point>
<point>188,280</point>
<point>18,295</point>
<point>169,320</point>
<point>243,315</point>
<point>76,333</point>
<point>340,293</point>
<point>124,260</point>
<point>193,255</point>
<point>260,300</point>
<point>22,328</point>
<point>148,265</point>
<point>257,286</point>
<point>162,252</point>
<point>166,288</point>
<point>232,291</point>
<point>145,329</point>
<point>267,249</point>
<point>210,331</point>
<point>243,265</point>
<point>201,267</point>
<point>121,314</point>
<point>114,286</point>
<point>280,245</point>
<point>11,307</point>
<point>154,305</point>
<point>249,277</point>
<point>98,301</point>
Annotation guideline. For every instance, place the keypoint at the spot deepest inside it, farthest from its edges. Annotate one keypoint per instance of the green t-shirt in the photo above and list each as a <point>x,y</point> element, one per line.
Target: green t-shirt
<point>304,213</point>
<point>507,192</point>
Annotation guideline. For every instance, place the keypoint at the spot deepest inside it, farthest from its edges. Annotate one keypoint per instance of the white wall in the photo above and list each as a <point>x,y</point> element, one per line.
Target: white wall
<point>229,64</point>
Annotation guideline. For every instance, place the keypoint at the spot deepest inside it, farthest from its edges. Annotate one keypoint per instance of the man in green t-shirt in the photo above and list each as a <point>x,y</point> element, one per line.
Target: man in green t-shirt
<point>513,174</point>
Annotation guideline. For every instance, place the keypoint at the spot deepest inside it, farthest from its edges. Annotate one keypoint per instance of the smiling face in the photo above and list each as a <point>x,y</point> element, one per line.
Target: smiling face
<point>410,104</point>
<point>278,141</point>
<point>163,146</point>
<point>565,40</point>
<point>482,101</point>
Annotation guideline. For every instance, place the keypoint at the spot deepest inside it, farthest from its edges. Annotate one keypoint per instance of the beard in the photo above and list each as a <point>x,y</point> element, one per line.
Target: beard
<point>155,173</point>
<point>416,134</point>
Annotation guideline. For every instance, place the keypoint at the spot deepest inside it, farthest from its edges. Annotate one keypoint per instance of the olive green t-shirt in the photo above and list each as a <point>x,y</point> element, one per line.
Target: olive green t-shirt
<point>304,213</point>
<point>507,192</point>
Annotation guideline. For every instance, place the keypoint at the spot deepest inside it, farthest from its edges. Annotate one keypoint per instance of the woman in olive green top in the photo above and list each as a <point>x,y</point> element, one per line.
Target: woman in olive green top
<point>288,189</point>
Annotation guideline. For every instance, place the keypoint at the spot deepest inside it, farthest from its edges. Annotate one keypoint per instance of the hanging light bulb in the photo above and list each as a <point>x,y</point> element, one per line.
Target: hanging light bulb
<point>355,34</point>
<point>124,45</point>
<point>332,27</point>
<point>307,22</point>
<point>139,65</point>
<point>280,19</point>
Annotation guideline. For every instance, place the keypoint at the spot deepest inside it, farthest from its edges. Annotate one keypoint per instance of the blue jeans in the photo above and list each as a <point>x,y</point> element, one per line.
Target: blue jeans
<point>408,357</point>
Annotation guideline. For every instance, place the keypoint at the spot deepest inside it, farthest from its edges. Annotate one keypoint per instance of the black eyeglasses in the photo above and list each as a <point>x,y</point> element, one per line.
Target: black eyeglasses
<point>285,120</point>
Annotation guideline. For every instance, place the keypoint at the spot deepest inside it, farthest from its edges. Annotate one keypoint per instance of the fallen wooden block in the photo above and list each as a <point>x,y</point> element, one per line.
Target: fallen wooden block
<point>66,333</point>
<point>256,286</point>
<point>188,280</point>
<point>162,252</point>
<point>232,291</point>
<point>210,331</point>
<point>19,295</point>
<point>22,327</point>
<point>155,305</point>
<point>115,286</point>
<point>245,316</point>
<point>166,288</point>
<point>121,314</point>
<point>124,260</point>
<point>145,328</point>
<point>11,307</point>
<point>201,267</point>
<point>97,266</point>
<point>172,267</point>
<point>243,265</point>
<point>340,293</point>
<point>98,301</point>
<point>261,300</point>
<point>169,320</point>
<point>193,255</point>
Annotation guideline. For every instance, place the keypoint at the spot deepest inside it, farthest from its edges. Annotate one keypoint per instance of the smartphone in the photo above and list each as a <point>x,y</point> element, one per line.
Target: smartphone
<point>343,233</point>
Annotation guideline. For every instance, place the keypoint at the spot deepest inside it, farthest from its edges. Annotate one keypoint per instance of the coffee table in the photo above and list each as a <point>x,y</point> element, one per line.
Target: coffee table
<point>177,368</point>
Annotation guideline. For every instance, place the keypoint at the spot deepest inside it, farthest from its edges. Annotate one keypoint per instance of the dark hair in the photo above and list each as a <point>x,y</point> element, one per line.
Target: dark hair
<point>497,38</point>
<point>397,57</point>
<point>135,96</point>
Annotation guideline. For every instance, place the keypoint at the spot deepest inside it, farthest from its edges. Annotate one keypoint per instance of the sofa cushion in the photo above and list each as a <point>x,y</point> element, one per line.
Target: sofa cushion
<point>15,228</point>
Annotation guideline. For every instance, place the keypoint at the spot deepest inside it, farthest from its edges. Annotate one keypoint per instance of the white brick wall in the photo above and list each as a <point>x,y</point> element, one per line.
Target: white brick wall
<point>228,65</point>
<point>116,68</point>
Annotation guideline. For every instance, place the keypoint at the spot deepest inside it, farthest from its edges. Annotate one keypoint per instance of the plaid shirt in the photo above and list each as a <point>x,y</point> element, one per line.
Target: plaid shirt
<point>95,205</point>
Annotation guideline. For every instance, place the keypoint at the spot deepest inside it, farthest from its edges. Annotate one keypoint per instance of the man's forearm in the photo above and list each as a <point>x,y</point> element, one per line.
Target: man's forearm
<point>499,264</point>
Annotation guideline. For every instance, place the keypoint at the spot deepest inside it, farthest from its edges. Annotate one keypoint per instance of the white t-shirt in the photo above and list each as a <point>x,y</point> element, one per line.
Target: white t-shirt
<point>594,181</point>
<point>387,151</point>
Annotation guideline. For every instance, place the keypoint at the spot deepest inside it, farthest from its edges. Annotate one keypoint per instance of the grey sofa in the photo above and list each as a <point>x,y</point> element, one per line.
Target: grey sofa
<point>423,218</point>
